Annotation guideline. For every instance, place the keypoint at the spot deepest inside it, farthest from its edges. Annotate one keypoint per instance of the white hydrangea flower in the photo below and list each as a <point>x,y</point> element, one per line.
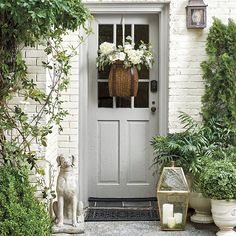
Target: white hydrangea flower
<point>113,57</point>
<point>135,56</point>
<point>128,47</point>
<point>107,48</point>
<point>121,56</point>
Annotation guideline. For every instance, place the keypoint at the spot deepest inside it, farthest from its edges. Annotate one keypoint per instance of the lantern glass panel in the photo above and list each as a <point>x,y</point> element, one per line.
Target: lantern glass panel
<point>173,180</point>
<point>173,196</point>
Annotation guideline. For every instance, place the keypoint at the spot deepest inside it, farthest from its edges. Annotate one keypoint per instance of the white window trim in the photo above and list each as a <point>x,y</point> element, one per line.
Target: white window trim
<point>162,9</point>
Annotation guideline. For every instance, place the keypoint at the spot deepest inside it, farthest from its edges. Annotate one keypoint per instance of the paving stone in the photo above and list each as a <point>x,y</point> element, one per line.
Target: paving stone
<point>146,228</point>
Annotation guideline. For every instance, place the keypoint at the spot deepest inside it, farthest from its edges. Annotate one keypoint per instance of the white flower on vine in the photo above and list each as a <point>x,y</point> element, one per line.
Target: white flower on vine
<point>107,48</point>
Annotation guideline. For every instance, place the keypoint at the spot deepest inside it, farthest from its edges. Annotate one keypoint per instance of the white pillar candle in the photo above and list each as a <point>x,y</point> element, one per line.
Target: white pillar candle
<point>178,218</point>
<point>168,210</point>
<point>171,222</point>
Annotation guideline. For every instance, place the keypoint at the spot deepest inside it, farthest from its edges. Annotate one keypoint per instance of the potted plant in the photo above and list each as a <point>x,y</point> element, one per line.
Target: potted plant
<point>192,149</point>
<point>125,61</point>
<point>218,182</point>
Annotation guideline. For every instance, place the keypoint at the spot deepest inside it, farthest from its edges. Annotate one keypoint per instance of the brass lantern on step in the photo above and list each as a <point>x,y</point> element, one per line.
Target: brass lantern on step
<point>173,198</point>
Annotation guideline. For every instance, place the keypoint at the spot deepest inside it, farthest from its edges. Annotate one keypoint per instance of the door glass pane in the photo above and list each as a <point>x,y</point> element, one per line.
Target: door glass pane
<point>105,34</point>
<point>104,74</point>
<point>141,32</point>
<point>119,33</point>
<point>123,102</point>
<point>104,100</point>
<point>143,73</point>
<point>142,99</point>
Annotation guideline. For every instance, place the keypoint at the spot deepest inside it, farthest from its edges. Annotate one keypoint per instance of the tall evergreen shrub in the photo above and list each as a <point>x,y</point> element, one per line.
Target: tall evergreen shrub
<point>219,100</point>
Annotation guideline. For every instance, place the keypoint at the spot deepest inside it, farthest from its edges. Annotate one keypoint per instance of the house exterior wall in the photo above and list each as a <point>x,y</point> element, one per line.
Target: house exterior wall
<point>186,52</point>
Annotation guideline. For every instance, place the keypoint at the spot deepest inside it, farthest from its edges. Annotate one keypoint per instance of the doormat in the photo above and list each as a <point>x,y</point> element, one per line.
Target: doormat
<point>121,215</point>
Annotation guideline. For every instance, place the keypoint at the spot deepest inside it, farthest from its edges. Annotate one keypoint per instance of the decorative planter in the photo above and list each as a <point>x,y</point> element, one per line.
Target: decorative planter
<point>202,207</point>
<point>123,82</point>
<point>224,215</point>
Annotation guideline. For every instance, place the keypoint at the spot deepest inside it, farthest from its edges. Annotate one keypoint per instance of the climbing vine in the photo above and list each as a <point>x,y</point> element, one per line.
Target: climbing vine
<point>29,23</point>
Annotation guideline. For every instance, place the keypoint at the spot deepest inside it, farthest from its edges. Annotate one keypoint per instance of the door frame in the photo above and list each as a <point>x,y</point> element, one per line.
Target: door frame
<point>162,10</point>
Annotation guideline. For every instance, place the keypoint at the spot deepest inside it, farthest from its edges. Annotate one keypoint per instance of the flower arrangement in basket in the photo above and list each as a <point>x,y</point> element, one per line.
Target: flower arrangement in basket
<point>125,61</point>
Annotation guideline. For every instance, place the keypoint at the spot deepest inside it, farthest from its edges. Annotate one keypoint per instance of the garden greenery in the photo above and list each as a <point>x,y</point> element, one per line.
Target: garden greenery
<point>21,214</point>
<point>28,23</point>
<point>220,74</point>
<point>31,23</point>
<point>213,139</point>
<point>218,180</point>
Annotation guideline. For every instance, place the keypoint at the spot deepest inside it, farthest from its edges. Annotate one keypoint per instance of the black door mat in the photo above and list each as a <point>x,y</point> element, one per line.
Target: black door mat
<point>122,209</point>
<point>96,214</point>
<point>97,199</point>
<point>123,202</point>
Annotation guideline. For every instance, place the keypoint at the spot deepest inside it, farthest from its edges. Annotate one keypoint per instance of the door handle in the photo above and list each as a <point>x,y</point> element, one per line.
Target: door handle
<point>153,109</point>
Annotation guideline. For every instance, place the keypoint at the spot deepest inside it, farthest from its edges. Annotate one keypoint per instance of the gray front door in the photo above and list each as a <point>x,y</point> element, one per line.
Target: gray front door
<point>120,129</point>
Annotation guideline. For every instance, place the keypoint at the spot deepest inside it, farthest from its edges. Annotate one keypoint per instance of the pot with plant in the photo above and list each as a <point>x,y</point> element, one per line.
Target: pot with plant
<point>125,61</point>
<point>218,182</point>
<point>190,149</point>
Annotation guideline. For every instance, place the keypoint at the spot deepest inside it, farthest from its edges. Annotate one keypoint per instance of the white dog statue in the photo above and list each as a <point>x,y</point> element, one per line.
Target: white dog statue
<point>67,208</point>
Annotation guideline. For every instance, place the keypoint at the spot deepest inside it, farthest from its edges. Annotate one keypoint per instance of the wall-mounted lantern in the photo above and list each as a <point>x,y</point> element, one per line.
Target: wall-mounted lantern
<point>196,14</point>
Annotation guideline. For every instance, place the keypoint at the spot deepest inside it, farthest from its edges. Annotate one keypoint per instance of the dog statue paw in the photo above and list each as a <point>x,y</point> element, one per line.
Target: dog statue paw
<point>67,208</point>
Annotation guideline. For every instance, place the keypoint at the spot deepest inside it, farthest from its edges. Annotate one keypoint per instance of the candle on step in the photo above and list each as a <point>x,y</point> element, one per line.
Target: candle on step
<point>171,222</point>
<point>178,218</point>
<point>168,210</point>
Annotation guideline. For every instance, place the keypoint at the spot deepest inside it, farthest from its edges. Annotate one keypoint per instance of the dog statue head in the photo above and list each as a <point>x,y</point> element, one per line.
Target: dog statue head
<point>65,162</point>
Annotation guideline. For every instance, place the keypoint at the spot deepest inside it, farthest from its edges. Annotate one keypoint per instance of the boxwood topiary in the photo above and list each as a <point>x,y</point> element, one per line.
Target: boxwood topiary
<point>218,180</point>
<point>21,214</point>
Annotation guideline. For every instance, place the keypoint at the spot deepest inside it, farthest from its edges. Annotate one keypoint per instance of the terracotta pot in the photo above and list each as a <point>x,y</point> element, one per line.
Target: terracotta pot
<point>224,215</point>
<point>202,207</point>
<point>123,82</point>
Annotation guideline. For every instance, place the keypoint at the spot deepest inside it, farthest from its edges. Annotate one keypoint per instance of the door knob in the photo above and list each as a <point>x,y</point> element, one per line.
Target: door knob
<point>153,109</point>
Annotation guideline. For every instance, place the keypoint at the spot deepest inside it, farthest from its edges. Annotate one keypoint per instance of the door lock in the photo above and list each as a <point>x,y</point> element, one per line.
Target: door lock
<point>154,86</point>
<point>153,109</point>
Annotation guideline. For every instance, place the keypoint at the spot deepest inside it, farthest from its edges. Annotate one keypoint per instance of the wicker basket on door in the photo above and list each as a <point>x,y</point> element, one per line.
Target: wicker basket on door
<point>123,82</point>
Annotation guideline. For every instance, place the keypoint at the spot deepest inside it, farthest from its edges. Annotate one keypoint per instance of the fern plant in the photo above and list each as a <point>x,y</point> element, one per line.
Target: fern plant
<point>192,148</point>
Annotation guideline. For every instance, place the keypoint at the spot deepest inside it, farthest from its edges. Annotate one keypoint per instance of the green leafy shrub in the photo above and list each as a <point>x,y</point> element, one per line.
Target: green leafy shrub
<point>21,214</point>
<point>194,147</point>
<point>30,23</point>
<point>219,73</point>
<point>218,180</point>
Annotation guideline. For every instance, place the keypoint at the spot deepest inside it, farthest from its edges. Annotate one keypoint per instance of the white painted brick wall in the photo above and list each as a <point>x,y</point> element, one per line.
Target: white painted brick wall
<point>187,51</point>
<point>34,57</point>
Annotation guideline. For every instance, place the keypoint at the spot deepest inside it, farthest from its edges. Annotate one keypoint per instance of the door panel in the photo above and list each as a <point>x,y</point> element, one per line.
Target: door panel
<point>120,129</point>
<point>138,152</point>
<point>109,157</point>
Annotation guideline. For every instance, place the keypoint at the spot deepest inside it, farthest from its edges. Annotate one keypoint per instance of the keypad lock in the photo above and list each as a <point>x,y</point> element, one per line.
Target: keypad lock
<point>153,86</point>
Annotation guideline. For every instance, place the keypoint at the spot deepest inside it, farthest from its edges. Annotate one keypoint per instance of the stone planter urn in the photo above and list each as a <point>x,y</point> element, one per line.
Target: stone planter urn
<point>224,215</point>
<point>202,207</point>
